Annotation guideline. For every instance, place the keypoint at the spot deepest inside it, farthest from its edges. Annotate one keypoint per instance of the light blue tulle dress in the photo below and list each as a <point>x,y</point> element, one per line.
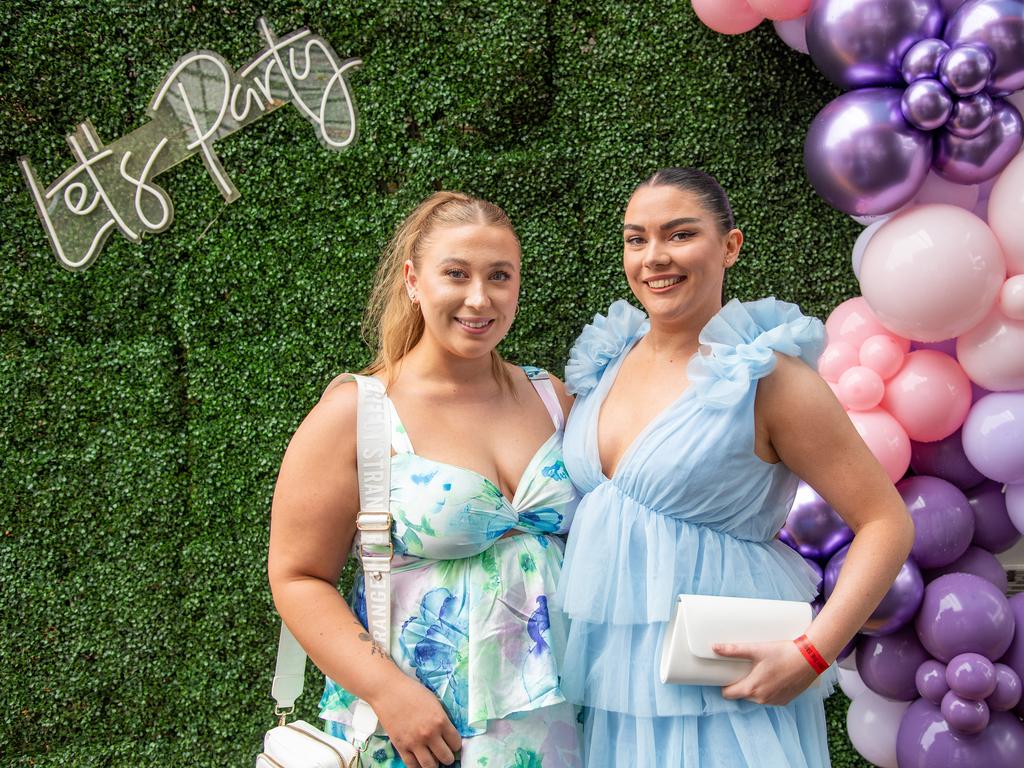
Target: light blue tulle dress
<point>689,509</point>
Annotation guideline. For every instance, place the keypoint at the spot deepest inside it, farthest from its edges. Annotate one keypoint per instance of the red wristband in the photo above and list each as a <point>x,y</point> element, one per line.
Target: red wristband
<point>814,658</point>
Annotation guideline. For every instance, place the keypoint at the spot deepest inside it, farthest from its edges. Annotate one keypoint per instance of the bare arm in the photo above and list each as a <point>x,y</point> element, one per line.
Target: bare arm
<point>813,436</point>
<point>311,532</point>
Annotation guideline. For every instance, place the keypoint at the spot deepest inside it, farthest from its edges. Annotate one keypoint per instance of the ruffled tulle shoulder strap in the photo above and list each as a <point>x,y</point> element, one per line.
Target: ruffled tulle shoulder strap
<point>599,343</point>
<point>738,347</point>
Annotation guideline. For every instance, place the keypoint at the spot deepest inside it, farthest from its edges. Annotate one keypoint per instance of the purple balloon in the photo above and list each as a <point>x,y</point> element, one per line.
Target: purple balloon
<point>947,347</point>
<point>1008,690</point>
<point>949,6</point>
<point>813,527</point>
<point>971,116</point>
<point>966,68</point>
<point>946,459</point>
<point>923,60</point>
<point>998,25</point>
<point>926,104</point>
<point>979,562</point>
<point>858,43</point>
<point>943,520</point>
<point>977,159</point>
<point>899,604</point>
<point>1014,656</point>
<point>861,154</point>
<point>994,436</point>
<point>993,529</point>
<point>964,613</point>
<point>930,680</point>
<point>964,716</point>
<point>888,664</point>
<point>925,740</point>
<point>971,676</point>
<point>813,565</point>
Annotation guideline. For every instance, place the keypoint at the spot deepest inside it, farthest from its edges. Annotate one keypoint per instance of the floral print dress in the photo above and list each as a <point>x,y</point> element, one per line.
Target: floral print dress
<point>470,614</point>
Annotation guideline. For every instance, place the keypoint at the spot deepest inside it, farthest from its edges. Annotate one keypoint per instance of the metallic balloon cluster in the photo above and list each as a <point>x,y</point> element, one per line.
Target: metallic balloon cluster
<point>928,77</point>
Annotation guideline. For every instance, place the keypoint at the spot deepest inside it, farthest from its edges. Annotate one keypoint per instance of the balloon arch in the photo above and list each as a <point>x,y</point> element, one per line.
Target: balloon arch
<point>924,150</point>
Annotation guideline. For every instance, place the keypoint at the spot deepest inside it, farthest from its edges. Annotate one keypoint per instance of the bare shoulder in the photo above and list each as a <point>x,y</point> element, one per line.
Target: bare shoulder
<point>563,397</point>
<point>331,423</point>
<point>793,382</point>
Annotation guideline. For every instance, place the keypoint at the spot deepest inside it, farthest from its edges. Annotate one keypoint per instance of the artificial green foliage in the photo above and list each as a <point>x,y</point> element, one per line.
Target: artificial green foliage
<point>145,403</point>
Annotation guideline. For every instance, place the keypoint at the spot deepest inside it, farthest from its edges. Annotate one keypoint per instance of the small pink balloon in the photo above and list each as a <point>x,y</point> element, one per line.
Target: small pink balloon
<point>836,359</point>
<point>992,353</point>
<point>854,322</point>
<point>932,272</point>
<point>860,388</point>
<point>780,10</point>
<point>1004,213</point>
<point>930,396</point>
<point>1011,297</point>
<point>886,439</point>
<point>883,354</point>
<point>730,17</point>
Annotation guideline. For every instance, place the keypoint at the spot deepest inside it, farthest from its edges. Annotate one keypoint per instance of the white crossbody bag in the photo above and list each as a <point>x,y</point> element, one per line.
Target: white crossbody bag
<point>700,621</point>
<point>299,744</point>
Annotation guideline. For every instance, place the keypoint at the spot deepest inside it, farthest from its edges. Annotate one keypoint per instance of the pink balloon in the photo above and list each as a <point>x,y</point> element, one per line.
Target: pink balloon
<point>992,353</point>
<point>937,190</point>
<point>1011,297</point>
<point>932,272</point>
<point>886,439</point>
<point>780,10</point>
<point>730,17</point>
<point>854,322</point>
<point>883,354</point>
<point>793,33</point>
<point>1005,205</point>
<point>836,359</point>
<point>930,396</point>
<point>860,388</point>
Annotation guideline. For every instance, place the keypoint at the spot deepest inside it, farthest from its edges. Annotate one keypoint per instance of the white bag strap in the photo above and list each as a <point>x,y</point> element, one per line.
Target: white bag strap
<point>373,542</point>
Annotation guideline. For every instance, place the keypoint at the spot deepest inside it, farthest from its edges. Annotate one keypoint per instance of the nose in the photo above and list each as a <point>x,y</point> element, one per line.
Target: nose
<point>478,297</point>
<point>655,255</point>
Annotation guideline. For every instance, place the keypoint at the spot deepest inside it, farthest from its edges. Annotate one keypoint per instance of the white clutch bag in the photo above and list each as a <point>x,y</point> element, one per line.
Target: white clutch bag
<point>700,621</point>
<point>300,745</point>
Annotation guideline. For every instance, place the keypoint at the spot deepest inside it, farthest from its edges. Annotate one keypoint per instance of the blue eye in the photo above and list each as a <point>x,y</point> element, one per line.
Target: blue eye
<point>502,275</point>
<point>455,273</point>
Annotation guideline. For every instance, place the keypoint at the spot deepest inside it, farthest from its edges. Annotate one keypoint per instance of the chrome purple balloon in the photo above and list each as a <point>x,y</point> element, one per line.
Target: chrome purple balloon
<point>899,604</point>
<point>943,520</point>
<point>965,69</point>
<point>862,156</point>
<point>971,116</point>
<point>964,613</point>
<point>949,7</point>
<point>974,160</point>
<point>923,59</point>
<point>926,104</point>
<point>813,528</point>
<point>859,43</point>
<point>999,25</point>
<point>946,459</point>
<point>888,664</point>
<point>925,740</point>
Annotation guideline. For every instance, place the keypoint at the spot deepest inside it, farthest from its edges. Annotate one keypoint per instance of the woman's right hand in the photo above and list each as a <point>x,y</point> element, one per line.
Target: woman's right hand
<point>417,724</point>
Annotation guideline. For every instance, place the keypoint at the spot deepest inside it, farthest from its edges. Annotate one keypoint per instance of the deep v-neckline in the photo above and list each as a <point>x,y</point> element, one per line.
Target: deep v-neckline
<point>611,375</point>
<point>524,478</point>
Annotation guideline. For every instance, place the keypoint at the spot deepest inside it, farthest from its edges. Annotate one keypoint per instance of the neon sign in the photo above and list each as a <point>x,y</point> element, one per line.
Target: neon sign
<point>200,101</point>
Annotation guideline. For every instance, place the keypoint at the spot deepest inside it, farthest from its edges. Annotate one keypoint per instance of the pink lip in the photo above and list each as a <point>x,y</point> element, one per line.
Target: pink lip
<point>475,331</point>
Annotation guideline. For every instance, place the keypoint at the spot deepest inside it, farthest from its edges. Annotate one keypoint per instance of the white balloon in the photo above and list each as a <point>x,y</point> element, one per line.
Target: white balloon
<point>872,723</point>
<point>850,682</point>
<point>793,33</point>
<point>862,244</point>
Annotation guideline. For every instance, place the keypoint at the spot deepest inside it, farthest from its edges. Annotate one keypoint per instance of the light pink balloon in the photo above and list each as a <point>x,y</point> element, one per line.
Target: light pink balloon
<point>992,353</point>
<point>861,245</point>
<point>937,190</point>
<point>930,396</point>
<point>860,388</point>
<point>780,10</point>
<point>1011,297</point>
<point>793,33</point>
<point>886,439</point>
<point>854,322</point>
<point>872,725</point>
<point>932,272</point>
<point>730,17</point>
<point>1006,214</point>
<point>836,359</point>
<point>883,354</point>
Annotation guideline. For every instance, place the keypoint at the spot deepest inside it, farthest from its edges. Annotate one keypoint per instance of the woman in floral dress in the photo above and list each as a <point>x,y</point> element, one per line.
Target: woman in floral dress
<point>480,501</point>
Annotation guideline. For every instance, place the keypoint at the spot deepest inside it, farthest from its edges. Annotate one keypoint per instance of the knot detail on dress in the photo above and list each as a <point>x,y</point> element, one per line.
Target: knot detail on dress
<point>599,343</point>
<point>739,345</point>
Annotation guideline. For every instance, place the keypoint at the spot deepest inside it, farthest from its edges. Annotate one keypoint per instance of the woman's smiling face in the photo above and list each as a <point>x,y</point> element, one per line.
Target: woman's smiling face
<point>675,253</point>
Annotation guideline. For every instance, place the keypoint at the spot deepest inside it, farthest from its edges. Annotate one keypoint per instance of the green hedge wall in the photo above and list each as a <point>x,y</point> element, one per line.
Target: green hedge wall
<point>145,403</point>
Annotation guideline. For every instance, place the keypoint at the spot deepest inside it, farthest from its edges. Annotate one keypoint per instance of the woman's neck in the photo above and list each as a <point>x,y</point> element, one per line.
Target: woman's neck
<point>436,368</point>
<point>672,338</point>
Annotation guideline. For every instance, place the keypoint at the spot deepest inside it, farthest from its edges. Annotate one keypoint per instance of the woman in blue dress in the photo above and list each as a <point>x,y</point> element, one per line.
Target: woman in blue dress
<point>691,426</point>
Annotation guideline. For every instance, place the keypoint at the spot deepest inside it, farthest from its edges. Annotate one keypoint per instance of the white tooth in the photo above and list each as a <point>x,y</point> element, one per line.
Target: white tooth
<point>664,283</point>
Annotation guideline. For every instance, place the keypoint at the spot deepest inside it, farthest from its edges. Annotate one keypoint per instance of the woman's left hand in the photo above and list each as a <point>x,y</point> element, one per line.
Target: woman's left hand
<point>780,672</point>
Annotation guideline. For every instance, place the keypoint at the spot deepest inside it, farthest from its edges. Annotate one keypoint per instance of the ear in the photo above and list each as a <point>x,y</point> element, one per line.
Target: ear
<point>409,275</point>
<point>733,243</point>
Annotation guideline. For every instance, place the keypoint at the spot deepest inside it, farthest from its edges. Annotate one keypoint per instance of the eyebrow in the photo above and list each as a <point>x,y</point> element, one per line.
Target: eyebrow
<point>455,260</point>
<point>666,225</point>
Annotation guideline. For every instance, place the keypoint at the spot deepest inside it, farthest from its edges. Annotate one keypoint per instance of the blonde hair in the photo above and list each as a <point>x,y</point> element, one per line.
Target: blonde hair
<point>393,324</point>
